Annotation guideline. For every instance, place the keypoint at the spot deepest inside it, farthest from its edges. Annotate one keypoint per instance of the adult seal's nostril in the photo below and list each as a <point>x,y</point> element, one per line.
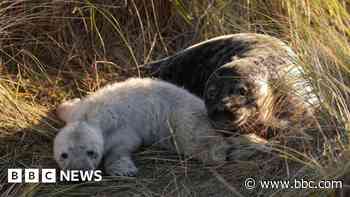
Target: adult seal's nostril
<point>234,102</point>
<point>243,100</point>
<point>228,105</point>
<point>226,99</point>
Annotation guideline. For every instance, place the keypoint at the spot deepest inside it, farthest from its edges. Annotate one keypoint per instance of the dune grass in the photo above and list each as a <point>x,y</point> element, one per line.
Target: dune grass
<point>51,51</point>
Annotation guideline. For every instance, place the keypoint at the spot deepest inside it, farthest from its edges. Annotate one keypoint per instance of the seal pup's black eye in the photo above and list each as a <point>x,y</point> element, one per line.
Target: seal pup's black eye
<point>90,153</point>
<point>64,155</point>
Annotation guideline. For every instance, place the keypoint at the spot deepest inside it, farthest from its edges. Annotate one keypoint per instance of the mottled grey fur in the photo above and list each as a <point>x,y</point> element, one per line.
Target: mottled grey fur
<point>246,80</point>
<point>117,119</point>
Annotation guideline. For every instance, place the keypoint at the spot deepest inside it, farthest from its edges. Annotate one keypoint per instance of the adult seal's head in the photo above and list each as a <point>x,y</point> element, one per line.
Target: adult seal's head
<point>234,93</point>
<point>250,81</point>
<point>251,96</point>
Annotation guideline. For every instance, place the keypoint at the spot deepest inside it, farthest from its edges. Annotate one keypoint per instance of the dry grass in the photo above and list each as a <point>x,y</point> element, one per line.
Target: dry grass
<point>56,50</point>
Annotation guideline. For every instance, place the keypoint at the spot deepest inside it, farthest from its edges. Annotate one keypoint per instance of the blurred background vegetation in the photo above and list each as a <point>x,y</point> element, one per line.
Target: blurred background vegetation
<point>59,49</point>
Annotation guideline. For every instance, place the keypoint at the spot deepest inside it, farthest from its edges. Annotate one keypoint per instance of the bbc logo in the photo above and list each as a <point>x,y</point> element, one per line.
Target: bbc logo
<point>31,175</point>
<point>48,175</point>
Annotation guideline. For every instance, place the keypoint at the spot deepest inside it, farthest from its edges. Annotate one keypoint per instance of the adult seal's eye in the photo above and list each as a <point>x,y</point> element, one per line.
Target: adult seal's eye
<point>211,92</point>
<point>64,155</point>
<point>243,91</point>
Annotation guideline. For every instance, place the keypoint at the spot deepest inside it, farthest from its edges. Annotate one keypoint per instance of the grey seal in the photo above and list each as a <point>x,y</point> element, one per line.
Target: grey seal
<point>112,123</point>
<point>248,81</point>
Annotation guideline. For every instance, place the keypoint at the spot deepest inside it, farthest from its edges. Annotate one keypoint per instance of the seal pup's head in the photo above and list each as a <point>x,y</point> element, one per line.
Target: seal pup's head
<point>235,92</point>
<point>78,146</point>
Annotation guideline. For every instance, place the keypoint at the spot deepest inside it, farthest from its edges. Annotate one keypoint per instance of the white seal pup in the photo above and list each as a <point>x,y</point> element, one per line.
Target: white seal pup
<point>112,123</point>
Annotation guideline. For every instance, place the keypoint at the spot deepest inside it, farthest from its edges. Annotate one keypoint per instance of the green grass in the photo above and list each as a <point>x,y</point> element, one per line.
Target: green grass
<point>55,50</point>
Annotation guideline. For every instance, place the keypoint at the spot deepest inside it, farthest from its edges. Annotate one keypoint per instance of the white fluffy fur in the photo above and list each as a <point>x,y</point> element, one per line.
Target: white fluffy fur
<point>117,119</point>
